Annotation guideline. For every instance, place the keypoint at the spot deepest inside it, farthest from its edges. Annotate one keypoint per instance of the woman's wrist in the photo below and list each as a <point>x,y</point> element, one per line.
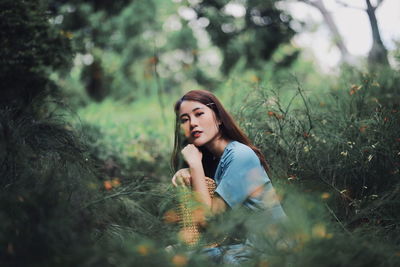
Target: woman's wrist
<point>195,165</point>
<point>196,171</point>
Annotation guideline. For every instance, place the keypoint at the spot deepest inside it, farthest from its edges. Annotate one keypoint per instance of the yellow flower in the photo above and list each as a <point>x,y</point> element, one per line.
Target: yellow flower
<point>354,88</point>
<point>107,185</point>
<point>263,263</point>
<point>67,34</point>
<point>171,217</point>
<point>363,128</point>
<point>376,84</point>
<point>179,260</point>
<point>116,182</point>
<point>325,195</point>
<point>188,236</point>
<point>143,250</point>
<point>319,231</point>
<point>254,79</point>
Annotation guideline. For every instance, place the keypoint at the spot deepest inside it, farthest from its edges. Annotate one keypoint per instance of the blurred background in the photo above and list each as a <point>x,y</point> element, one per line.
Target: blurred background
<point>87,123</point>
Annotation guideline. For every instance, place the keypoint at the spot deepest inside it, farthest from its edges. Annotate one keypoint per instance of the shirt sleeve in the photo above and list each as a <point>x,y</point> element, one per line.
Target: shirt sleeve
<point>241,175</point>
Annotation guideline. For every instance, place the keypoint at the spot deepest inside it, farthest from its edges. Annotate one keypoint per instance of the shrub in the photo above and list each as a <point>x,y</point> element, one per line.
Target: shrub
<point>343,142</point>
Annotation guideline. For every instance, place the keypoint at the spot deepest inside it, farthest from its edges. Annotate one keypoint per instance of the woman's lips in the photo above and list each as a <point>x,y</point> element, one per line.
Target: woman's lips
<point>196,134</point>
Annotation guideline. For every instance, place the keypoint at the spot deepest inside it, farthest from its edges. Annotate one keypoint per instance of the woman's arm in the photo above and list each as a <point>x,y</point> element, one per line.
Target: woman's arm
<point>215,204</point>
<point>193,158</point>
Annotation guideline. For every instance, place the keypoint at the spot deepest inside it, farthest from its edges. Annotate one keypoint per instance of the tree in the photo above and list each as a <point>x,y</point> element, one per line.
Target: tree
<point>337,37</point>
<point>116,28</point>
<point>253,32</point>
<point>30,49</point>
<point>41,195</point>
<point>378,52</point>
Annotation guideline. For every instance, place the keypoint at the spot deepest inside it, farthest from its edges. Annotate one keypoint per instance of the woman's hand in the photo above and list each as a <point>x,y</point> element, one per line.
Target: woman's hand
<point>182,178</point>
<point>192,155</point>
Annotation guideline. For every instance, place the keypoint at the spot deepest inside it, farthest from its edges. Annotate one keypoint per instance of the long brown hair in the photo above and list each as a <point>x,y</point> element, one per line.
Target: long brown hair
<point>228,127</point>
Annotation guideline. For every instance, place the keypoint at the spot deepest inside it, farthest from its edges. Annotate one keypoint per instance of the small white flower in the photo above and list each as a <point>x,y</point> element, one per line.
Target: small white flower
<point>351,144</point>
<point>370,157</point>
<point>324,121</point>
<point>307,148</point>
<point>344,153</point>
<point>272,101</point>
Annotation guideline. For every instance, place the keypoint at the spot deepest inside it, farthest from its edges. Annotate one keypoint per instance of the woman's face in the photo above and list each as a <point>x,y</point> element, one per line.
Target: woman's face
<point>198,122</point>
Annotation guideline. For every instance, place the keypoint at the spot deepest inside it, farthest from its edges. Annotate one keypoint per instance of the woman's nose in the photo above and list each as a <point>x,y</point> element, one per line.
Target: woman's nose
<point>193,122</point>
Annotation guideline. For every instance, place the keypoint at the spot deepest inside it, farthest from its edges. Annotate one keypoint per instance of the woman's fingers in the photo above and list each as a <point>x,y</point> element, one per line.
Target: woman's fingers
<point>187,181</point>
<point>182,178</point>
<point>191,154</point>
<point>173,180</point>
<point>185,173</point>
<point>178,180</point>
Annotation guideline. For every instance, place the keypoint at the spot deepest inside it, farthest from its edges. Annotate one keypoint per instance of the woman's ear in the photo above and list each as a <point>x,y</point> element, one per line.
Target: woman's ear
<point>217,119</point>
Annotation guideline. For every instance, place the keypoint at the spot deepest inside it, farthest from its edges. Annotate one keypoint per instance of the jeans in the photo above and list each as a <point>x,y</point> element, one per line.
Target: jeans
<point>229,254</point>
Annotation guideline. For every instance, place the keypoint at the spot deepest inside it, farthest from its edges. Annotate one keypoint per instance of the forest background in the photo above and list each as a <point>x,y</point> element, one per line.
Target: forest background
<point>86,132</point>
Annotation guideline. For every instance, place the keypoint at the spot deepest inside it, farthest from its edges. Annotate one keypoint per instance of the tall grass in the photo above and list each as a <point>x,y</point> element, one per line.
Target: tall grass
<point>334,156</point>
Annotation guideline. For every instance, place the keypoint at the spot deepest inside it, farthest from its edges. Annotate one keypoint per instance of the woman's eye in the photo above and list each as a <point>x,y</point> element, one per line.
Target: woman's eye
<point>184,120</point>
<point>199,114</point>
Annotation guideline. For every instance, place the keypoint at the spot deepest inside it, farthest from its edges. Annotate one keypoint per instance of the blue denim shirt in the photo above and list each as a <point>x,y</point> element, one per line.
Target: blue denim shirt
<point>239,174</point>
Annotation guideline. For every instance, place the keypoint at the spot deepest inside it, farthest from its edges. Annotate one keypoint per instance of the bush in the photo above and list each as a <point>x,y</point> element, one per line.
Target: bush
<point>343,142</point>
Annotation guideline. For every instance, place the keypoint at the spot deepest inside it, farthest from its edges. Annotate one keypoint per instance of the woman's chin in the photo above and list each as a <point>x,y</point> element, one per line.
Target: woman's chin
<point>198,142</point>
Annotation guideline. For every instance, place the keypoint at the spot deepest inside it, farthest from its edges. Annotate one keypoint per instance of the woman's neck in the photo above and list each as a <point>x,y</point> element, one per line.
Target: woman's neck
<point>217,146</point>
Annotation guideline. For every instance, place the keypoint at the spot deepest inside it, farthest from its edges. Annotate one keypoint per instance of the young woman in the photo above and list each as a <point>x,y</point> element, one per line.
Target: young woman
<point>212,145</point>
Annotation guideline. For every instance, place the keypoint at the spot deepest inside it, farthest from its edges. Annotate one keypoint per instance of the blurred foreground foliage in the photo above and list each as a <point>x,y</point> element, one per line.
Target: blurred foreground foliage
<point>91,187</point>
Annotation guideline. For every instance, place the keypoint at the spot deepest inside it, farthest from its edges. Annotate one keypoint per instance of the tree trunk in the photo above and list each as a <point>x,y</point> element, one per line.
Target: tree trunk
<point>337,37</point>
<point>378,52</point>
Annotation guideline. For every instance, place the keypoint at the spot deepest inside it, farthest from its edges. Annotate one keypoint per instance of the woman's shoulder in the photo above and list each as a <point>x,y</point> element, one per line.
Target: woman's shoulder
<point>239,151</point>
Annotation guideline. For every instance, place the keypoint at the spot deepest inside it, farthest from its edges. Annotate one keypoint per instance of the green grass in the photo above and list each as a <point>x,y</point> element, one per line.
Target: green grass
<point>131,130</point>
<point>329,148</point>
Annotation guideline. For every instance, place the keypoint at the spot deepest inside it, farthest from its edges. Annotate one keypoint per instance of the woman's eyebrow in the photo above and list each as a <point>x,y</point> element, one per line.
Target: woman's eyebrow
<point>193,110</point>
